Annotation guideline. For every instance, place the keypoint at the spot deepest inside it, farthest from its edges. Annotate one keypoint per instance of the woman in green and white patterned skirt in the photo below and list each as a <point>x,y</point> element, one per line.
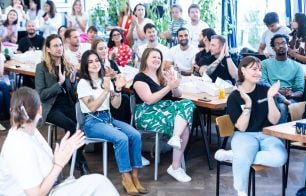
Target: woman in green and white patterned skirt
<point>156,111</point>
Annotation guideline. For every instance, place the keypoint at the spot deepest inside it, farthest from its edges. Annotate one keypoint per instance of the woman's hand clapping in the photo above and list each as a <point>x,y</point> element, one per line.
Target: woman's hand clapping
<point>172,80</point>
<point>67,146</point>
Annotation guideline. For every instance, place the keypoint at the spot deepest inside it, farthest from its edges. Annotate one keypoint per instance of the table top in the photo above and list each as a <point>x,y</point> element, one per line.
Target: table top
<point>21,68</point>
<point>285,131</point>
<point>215,103</point>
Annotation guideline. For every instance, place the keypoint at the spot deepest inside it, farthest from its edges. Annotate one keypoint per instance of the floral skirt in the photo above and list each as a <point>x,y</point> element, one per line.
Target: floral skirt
<point>160,116</point>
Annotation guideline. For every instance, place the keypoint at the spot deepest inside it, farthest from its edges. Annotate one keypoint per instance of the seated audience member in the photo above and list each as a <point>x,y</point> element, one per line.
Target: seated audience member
<point>135,33</point>
<point>50,20</point>
<point>123,113</point>
<point>182,55</point>
<point>124,21</point>
<point>90,36</point>
<point>34,13</point>
<point>61,31</point>
<point>74,49</point>
<point>155,110</point>
<point>4,90</point>
<point>287,71</point>
<point>249,145</point>
<point>20,8</point>
<point>176,23</point>
<point>151,35</point>
<point>204,57</point>
<point>55,82</point>
<point>195,25</point>
<point>297,45</point>
<point>77,19</point>
<point>28,166</point>
<point>32,41</point>
<point>118,50</point>
<point>9,28</point>
<point>96,92</point>
<point>221,65</point>
<point>271,20</point>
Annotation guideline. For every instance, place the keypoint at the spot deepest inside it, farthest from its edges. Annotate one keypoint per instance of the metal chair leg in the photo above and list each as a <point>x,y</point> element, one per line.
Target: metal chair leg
<point>104,150</point>
<point>156,158</point>
<point>253,182</point>
<point>218,178</point>
<point>73,164</point>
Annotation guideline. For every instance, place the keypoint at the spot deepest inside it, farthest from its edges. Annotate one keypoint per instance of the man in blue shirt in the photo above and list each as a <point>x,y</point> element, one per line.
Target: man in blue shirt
<point>287,71</point>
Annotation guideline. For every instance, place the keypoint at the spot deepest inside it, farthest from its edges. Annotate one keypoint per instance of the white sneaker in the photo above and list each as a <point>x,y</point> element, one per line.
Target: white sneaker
<point>242,193</point>
<point>179,174</point>
<point>224,155</point>
<point>175,142</point>
<point>145,162</point>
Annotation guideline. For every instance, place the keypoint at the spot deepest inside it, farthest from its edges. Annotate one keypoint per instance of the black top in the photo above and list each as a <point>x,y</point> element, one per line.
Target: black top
<point>62,98</point>
<point>154,87</point>
<point>204,58</point>
<point>259,111</point>
<point>25,43</point>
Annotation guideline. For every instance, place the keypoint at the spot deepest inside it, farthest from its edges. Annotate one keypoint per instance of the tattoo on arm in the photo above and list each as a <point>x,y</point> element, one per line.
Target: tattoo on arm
<point>90,99</point>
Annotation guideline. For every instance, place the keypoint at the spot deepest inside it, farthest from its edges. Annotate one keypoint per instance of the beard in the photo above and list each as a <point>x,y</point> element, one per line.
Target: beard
<point>184,42</point>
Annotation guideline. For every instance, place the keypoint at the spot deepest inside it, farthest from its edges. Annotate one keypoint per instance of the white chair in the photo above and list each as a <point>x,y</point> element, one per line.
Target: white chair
<point>80,122</point>
<point>157,135</point>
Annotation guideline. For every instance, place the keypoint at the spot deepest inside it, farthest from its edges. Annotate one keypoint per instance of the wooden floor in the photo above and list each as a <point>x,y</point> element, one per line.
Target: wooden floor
<point>268,182</point>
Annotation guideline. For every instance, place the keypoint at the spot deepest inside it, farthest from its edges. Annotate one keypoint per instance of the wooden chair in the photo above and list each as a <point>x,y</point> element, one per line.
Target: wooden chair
<point>225,129</point>
<point>296,111</point>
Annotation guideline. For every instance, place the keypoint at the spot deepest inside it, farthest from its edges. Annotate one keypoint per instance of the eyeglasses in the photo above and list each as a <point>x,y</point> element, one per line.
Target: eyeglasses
<point>280,44</point>
<point>118,34</point>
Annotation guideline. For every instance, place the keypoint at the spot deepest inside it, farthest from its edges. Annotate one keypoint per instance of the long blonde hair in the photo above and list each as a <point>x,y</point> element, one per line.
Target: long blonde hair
<point>50,63</point>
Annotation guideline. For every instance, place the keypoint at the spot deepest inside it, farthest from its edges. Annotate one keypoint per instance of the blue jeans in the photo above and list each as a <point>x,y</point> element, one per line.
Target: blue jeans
<point>126,139</point>
<point>254,148</point>
<point>283,108</point>
<point>4,98</point>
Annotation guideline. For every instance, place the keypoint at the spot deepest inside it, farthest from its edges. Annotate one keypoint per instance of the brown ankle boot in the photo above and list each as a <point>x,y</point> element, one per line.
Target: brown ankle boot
<point>138,186</point>
<point>129,186</point>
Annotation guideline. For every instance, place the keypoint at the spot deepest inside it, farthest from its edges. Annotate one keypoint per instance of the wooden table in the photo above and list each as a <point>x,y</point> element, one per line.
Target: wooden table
<point>214,104</point>
<point>20,68</point>
<point>285,131</point>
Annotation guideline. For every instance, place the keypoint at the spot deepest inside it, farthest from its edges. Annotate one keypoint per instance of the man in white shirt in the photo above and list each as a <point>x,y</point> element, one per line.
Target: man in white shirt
<point>271,20</point>
<point>74,49</point>
<point>195,26</point>
<point>182,55</point>
<point>151,35</point>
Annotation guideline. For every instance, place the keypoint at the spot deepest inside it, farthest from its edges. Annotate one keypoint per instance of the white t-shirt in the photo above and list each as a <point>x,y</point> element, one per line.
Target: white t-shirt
<point>71,56</point>
<point>25,161</point>
<point>183,59</point>
<point>195,31</point>
<point>51,25</point>
<point>136,40</point>
<point>75,25</point>
<point>267,36</point>
<point>162,48</point>
<point>84,90</point>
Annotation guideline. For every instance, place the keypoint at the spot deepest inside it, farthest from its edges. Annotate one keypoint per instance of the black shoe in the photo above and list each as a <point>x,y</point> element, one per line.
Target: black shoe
<point>83,168</point>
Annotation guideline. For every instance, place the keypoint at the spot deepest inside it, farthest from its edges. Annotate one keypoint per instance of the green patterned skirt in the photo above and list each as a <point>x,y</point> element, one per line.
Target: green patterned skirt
<point>160,116</point>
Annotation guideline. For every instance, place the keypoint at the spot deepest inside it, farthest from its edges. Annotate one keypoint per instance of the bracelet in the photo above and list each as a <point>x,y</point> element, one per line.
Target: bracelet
<point>56,164</point>
<point>247,108</point>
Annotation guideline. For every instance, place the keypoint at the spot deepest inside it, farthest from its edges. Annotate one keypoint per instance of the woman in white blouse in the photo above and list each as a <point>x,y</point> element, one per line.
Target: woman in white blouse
<point>77,19</point>
<point>50,20</point>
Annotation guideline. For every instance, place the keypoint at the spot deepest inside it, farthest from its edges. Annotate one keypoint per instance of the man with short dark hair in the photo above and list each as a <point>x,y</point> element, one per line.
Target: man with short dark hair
<point>195,25</point>
<point>32,41</point>
<point>74,49</point>
<point>151,35</point>
<point>287,71</point>
<point>182,55</point>
<point>271,20</point>
<point>221,65</point>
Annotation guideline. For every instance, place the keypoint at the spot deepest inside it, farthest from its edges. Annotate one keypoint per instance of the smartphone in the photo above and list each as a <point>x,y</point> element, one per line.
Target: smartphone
<point>45,14</point>
<point>205,99</point>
